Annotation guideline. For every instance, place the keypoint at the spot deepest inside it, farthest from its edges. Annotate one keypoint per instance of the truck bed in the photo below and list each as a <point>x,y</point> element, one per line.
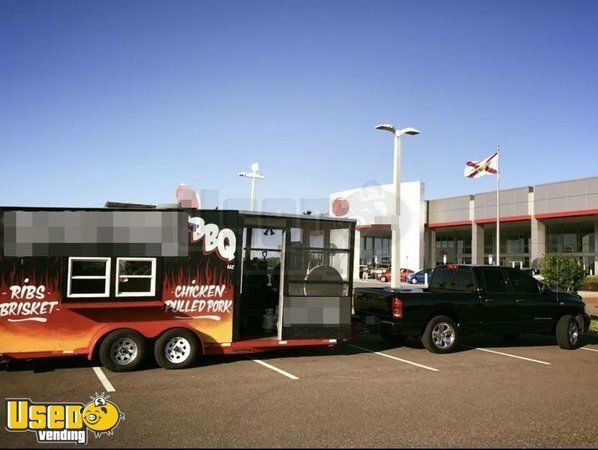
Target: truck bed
<point>373,306</point>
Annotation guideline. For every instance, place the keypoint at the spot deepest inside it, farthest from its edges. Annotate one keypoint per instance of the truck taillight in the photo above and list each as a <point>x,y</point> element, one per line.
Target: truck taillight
<point>397,307</point>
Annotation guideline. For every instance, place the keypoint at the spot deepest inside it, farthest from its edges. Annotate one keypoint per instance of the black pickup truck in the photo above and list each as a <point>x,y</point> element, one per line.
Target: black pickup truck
<point>472,300</point>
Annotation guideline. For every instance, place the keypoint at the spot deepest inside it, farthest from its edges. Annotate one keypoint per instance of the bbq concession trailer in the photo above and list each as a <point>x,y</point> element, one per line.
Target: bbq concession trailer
<point>125,283</point>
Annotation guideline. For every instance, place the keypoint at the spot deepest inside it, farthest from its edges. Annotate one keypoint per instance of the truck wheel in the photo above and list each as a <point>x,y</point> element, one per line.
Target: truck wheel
<point>567,332</point>
<point>441,335</point>
<point>413,280</point>
<point>383,279</point>
<point>176,349</point>
<point>123,351</point>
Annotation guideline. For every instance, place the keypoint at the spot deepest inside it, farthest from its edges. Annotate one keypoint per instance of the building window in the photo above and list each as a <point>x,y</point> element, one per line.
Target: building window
<point>88,277</point>
<point>570,238</point>
<point>386,247</point>
<point>514,242</point>
<point>136,277</point>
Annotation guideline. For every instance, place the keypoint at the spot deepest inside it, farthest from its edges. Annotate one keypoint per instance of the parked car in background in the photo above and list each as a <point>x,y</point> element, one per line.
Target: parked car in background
<point>419,277</point>
<point>378,270</point>
<point>386,276</point>
<point>366,271</point>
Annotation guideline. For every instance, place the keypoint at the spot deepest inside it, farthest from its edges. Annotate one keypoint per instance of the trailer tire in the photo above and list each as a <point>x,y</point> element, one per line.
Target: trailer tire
<point>441,335</point>
<point>568,334</point>
<point>176,349</point>
<point>123,351</point>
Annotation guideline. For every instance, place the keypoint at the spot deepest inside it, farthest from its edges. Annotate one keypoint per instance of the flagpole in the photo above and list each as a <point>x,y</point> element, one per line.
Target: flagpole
<point>497,206</point>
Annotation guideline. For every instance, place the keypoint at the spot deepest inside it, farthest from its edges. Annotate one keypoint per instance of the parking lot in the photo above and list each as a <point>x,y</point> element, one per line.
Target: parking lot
<point>491,393</point>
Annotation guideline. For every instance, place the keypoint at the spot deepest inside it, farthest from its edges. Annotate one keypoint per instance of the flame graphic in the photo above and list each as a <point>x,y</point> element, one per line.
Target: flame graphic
<point>45,271</point>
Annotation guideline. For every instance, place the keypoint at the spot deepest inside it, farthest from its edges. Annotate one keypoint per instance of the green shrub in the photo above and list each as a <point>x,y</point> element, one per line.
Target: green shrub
<point>562,272</point>
<point>589,283</point>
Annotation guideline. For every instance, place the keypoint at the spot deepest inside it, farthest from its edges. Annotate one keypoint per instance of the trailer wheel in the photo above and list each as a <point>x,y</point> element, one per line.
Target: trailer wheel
<point>441,335</point>
<point>567,333</point>
<point>123,351</point>
<point>176,349</point>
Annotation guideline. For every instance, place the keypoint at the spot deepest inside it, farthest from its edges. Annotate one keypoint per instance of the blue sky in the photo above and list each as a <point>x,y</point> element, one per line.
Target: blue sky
<point>123,100</point>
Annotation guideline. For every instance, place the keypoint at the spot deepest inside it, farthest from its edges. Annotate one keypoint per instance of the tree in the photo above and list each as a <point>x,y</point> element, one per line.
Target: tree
<point>562,272</point>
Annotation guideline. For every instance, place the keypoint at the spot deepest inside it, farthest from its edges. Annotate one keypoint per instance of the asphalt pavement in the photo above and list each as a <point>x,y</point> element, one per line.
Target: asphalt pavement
<point>491,393</point>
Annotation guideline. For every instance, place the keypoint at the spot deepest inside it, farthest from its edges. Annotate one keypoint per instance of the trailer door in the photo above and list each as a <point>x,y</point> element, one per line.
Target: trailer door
<point>262,276</point>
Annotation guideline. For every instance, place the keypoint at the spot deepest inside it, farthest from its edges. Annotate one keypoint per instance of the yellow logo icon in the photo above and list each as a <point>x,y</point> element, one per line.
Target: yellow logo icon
<point>67,423</point>
<point>101,415</point>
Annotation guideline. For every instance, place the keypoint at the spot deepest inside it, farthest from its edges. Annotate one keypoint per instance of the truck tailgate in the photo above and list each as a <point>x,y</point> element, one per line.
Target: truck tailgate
<point>376,301</point>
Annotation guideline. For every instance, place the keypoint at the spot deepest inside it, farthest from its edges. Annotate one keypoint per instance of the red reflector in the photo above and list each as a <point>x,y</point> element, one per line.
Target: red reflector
<point>397,307</point>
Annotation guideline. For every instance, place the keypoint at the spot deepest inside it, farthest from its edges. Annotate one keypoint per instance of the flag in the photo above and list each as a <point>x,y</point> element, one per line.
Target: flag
<point>487,166</point>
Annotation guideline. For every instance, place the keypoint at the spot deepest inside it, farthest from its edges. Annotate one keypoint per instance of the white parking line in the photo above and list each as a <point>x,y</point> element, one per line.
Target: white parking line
<point>104,380</point>
<point>513,356</point>
<point>276,369</point>
<point>394,357</point>
<point>589,349</point>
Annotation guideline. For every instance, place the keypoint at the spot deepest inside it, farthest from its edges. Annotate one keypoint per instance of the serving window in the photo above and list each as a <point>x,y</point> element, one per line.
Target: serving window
<point>88,277</point>
<point>100,278</point>
<point>135,277</point>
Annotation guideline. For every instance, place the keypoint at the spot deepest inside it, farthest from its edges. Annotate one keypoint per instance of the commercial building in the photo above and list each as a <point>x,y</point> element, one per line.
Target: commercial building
<point>559,217</point>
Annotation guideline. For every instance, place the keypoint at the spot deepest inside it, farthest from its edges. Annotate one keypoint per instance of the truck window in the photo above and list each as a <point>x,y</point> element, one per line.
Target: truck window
<point>523,283</point>
<point>463,281</point>
<point>494,281</point>
<point>442,278</point>
<point>453,280</point>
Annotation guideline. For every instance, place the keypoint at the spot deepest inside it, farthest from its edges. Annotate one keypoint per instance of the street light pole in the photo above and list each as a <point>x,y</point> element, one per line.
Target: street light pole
<point>254,175</point>
<point>395,261</point>
<point>252,199</point>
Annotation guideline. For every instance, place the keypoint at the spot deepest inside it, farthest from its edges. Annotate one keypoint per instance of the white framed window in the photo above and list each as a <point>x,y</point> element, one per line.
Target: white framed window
<point>88,277</point>
<point>135,277</point>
